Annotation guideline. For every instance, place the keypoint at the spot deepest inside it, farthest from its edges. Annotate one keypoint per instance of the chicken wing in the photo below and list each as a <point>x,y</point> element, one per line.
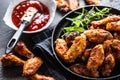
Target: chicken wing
<point>70,37</point>
<point>10,60</point>
<point>86,54</point>
<point>81,69</point>
<point>31,66</point>
<point>61,48</point>
<point>107,45</point>
<point>96,58</point>
<point>106,20</point>
<point>76,49</point>
<point>21,49</point>
<point>113,26</point>
<point>41,77</point>
<point>95,2</point>
<point>108,65</point>
<point>98,35</point>
<point>73,4</point>
<point>62,5</point>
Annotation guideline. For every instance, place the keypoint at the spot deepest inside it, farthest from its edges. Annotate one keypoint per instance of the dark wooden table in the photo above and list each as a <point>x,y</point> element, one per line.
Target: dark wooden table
<point>6,33</point>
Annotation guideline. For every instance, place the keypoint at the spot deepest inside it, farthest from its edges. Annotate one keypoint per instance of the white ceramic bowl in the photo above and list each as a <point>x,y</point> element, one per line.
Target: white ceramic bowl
<point>8,20</point>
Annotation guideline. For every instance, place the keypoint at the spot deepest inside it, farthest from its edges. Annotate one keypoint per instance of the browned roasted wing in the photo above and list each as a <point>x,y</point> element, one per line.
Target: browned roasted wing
<point>70,37</point>
<point>76,49</point>
<point>10,60</point>
<point>31,66</point>
<point>113,26</point>
<point>98,35</point>
<point>61,48</point>
<point>86,54</point>
<point>96,58</point>
<point>95,2</point>
<point>62,5</point>
<point>81,69</point>
<point>106,20</point>
<point>41,77</point>
<point>21,49</point>
<point>108,65</point>
<point>73,4</point>
<point>107,45</point>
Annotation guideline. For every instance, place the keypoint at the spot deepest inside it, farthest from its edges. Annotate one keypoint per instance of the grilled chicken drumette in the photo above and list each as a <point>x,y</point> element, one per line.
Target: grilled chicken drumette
<point>21,49</point>
<point>96,58</point>
<point>31,66</point>
<point>10,60</point>
<point>62,5</point>
<point>108,65</point>
<point>98,35</point>
<point>105,20</point>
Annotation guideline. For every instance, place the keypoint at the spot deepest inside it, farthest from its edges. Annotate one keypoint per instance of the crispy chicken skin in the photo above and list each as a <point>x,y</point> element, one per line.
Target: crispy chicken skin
<point>98,35</point>
<point>113,26</point>
<point>73,4</point>
<point>114,47</point>
<point>62,5</point>
<point>107,45</point>
<point>108,65</point>
<point>41,77</point>
<point>76,49</point>
<point>86,54</point>
<point>81,69</point>
<point>105,20</point>
<point>31,66</point>
<point>95,2</point>
<point>61,48</point>
<point>96,58</point>
<point>10,60</point>
<point>21,49</point>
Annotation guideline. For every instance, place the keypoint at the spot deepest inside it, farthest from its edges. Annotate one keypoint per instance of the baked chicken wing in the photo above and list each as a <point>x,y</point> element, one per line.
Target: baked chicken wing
<point>86,54</point>
<point>61,48</point>
<point>76,49</point>
<point>62,5</point>
<point>81,69</point>
<point>21,49</point>
<point>114,47</point>
<point>108,65</point>
<point>41,77</point>
<point>113,26</point>
<point>98,35</point>
<point>10,60</point>
<point>96,58</point>
<point>31,66</point>
<point>95,2</point>
<point>106,20</point>
<point>73,4</point>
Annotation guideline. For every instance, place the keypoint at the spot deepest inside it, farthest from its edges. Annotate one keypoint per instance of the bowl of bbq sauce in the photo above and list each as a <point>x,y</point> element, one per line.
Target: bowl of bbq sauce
<point>41,20</point>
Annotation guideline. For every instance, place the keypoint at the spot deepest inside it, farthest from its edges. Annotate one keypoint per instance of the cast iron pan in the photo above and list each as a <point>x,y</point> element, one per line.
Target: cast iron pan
<point>57,32</point>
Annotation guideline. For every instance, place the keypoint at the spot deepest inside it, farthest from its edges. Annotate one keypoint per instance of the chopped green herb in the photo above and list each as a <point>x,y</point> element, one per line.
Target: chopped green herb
<point>82,21</point>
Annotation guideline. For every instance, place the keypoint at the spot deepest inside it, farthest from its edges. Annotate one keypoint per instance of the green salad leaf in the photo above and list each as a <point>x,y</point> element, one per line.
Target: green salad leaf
<point>82,21</point>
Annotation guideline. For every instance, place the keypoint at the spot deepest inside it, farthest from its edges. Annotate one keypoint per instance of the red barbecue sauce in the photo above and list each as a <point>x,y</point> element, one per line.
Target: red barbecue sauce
<point>40,19</point>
